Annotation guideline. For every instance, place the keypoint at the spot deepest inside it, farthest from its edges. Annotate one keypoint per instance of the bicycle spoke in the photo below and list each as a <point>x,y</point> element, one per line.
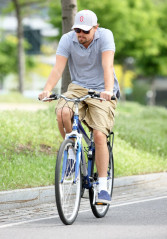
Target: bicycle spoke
<point>68,195</point>
<point>101,210</point>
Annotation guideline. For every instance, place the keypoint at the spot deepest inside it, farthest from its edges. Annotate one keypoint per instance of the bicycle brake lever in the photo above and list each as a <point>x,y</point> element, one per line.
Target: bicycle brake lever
<point>51,97</point>
<point>47,99</point>
<point>98,98</point>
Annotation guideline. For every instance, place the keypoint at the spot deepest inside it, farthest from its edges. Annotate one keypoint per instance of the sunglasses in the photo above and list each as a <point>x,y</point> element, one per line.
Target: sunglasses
<point>78,30</point>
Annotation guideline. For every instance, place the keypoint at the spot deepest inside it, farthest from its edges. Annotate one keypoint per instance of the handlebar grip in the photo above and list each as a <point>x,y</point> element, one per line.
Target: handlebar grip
<point>113,97</point>
<point>53,96</point>
<point>98,95</point>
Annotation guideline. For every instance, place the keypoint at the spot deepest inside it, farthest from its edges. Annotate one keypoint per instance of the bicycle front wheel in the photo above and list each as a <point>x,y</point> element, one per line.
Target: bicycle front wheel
<point>67,191</point>
<point>100,211</point>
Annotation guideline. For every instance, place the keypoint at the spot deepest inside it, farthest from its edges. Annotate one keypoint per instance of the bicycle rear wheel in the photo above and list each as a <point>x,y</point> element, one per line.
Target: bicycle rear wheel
<point>67,192</point>
<point>100,211</point>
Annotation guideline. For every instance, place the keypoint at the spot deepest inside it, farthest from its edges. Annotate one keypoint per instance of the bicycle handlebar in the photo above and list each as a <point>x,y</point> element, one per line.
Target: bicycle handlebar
<point>91,94</point>
<point>97,95</point>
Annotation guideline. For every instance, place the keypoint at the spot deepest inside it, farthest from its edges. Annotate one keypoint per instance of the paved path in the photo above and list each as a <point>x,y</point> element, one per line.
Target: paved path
<point>23,107</point>
<point>144,219</point>
<point>126,190</point>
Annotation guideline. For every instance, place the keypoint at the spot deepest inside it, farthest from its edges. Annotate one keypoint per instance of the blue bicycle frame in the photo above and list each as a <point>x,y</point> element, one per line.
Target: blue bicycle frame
<point>77,132</point>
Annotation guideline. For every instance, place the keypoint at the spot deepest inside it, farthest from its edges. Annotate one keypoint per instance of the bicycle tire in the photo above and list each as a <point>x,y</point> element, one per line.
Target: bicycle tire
<point>100,211</point>
<point>67,193</point>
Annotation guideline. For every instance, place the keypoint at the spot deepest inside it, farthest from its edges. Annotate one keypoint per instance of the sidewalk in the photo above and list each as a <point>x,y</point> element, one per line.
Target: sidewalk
<point>122,187</point>
<point>22,106</point>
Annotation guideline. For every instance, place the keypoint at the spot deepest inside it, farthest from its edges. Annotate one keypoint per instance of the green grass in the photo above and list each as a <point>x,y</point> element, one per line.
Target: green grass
<point>28,145</point>
<point>131,161</point>
<point>140,139</point>
<point>27,170</point>
<point>29,142</point>
<point>15,97</point>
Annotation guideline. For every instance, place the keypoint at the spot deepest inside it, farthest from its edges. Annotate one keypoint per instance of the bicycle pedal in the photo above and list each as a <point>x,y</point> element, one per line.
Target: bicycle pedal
<point>100,204</point>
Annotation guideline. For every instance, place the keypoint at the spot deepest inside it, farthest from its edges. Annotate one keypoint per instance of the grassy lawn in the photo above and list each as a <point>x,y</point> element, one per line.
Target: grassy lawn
<point>140,142</point>
<point>29,142</point>
<point>15,97</point>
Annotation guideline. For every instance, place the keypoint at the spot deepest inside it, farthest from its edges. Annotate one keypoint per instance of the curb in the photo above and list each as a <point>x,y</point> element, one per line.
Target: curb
<point>26,197</point>
<point>20,198</point>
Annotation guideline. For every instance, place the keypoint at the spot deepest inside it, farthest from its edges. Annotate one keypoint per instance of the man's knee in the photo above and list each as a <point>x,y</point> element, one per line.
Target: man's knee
<point>99,137</point>
<point>64,114</point>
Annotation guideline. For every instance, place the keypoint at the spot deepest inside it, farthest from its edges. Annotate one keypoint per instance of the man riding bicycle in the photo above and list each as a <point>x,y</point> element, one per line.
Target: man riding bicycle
<point>90,54</point>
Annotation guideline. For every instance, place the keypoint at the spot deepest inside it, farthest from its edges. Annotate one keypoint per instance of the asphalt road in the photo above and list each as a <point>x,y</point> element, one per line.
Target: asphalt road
<point>144,218</point>
<point>138,210</point>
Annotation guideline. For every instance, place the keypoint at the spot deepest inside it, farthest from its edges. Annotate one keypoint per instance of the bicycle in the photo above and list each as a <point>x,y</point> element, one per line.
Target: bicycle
<point>73,176</point>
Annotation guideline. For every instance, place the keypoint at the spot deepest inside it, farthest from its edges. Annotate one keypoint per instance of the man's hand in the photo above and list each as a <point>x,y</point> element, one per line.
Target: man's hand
<point>44,94</point>
<point>106,95</point>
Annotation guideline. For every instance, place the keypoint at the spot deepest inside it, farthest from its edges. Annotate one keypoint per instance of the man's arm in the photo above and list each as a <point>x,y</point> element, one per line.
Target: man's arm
<point>108,67</point>
<point>54,77</point>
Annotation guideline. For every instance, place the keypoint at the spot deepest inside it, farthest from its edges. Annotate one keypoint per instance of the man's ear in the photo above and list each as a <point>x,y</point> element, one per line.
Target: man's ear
<point>95,27</point>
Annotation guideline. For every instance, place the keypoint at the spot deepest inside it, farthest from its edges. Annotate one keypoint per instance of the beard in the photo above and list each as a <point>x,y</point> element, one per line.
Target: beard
<point>82,40</point>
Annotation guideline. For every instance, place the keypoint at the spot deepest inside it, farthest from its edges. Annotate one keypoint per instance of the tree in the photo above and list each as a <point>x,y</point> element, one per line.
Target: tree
<point>62,17</point>
<point>136,30</point>
<point>55,17</point>
<point>139,29</point>
<point>69,9</point>
<point>162,20</point>
<point>19,7</point>
<point>21,57</point>
<point>7,63</point>
<point>8,57</point>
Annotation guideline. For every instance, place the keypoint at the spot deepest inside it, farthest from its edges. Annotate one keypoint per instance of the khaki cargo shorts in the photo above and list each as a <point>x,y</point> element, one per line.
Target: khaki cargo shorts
<point>96,114</point>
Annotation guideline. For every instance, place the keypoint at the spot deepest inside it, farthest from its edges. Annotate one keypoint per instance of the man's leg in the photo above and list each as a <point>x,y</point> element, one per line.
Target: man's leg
<point>64,116</point>
<point>101,153</point>
<point>102,160</point>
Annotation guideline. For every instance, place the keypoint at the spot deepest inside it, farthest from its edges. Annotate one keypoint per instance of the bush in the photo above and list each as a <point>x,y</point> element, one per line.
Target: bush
<point>140,88</point>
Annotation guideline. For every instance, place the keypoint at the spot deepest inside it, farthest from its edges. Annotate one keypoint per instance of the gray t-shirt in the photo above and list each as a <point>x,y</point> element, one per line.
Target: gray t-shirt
<point>85,64</point>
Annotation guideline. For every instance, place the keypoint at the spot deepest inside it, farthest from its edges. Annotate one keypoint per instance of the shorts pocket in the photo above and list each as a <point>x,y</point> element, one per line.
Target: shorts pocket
<point>111,118</point>
<point>112,112</point>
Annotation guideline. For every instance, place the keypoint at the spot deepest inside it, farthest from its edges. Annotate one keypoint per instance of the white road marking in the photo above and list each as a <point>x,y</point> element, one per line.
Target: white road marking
<point>27,221</point>
<point>139,201</point>
<point>112,206</point>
